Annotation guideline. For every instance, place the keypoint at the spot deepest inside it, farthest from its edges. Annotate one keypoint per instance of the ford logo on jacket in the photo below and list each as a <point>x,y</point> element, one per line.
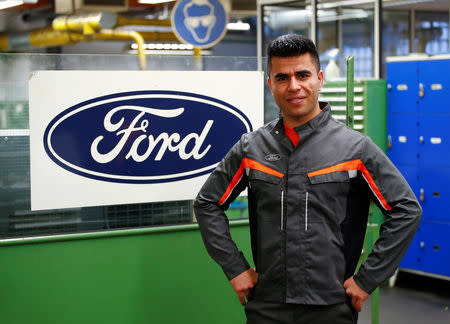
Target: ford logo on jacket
<point>144,136</point>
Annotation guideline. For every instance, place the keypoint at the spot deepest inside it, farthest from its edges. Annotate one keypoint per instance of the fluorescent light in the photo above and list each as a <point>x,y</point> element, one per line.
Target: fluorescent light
<point>153,1</point>
<point>238,26</point>
<point>347,3</point>
<point>164,46</point>
<point>10,3</point>
<point>329,5</point>
<point>404,2</point>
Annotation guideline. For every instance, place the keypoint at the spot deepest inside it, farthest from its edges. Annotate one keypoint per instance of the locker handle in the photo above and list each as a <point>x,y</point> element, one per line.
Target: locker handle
<point>389,144</point>
<point>422,194</point>
<point>421,91</point>
<point>421,140</point>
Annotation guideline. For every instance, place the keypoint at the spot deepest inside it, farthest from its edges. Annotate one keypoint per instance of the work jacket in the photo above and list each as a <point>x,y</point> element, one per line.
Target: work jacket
<point>308,210</point>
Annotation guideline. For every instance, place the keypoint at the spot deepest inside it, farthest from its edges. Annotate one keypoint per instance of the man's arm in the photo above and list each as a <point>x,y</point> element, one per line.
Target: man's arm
<point>219,190</point>
<point>402,212</point>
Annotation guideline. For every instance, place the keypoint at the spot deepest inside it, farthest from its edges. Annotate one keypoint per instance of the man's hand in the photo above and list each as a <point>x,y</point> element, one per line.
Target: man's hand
<point>243,284</point>
<point>358,296</point>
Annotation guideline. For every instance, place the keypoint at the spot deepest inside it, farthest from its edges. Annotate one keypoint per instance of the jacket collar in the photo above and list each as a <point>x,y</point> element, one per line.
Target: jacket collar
<point>318,121</point>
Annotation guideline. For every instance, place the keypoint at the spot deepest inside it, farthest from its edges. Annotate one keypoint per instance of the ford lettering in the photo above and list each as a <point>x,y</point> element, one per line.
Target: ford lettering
<point>144,136</point>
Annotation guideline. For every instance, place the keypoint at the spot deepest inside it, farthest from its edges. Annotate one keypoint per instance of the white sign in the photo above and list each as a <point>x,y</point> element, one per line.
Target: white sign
<point>108,137</point>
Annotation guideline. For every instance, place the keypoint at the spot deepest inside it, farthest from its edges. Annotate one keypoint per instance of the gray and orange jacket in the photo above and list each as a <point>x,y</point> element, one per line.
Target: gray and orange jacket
<point>308,210</point>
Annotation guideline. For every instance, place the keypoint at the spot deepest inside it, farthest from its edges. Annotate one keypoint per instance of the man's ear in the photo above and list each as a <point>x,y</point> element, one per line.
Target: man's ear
<point>320,76</point>
<point>269,83</point>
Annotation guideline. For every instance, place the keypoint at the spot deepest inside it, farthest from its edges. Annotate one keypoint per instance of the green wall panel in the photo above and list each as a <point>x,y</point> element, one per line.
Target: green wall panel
<point>148,278</point>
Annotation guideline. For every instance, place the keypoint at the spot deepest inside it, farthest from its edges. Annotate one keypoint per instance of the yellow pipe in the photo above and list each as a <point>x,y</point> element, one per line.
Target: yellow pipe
<point>49,37</point>
<point>87,24</point>
<point>4,42</point>
<point>111,34</point>
<point>197,52</point>
<point>161,37</point>
<point>125,21</point>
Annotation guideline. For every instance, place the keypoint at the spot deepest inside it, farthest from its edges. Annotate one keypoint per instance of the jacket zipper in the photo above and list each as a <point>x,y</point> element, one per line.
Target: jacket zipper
<point>306,212</point>
<point>282,210</point>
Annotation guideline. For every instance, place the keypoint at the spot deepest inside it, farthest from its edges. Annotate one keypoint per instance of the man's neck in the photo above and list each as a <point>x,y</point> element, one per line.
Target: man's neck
<point>295,122</point>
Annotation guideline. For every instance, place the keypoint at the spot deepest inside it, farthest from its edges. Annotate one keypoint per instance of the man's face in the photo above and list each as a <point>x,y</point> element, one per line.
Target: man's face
<point>295,84</point>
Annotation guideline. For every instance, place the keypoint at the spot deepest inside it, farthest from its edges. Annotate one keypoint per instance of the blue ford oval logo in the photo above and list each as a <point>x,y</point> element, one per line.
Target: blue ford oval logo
<point>144,136</point>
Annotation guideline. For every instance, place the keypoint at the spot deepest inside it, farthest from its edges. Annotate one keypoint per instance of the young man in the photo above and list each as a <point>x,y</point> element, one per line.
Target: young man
<point>310,180</point>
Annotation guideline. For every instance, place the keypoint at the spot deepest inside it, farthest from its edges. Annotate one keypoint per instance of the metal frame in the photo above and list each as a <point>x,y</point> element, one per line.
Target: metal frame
<point>378,20</point>
<point>377,51</point>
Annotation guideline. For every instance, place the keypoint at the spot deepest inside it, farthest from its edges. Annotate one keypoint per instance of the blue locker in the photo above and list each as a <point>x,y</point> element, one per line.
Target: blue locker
<point>403,138</point>
<point>434,137</point>
<point>435,196</point>
<point>420,111</point>
<point>413,257</point>
<point>411,175</point>
<point>435,248</point>
<point>434,79</point>
<point>402,87</point>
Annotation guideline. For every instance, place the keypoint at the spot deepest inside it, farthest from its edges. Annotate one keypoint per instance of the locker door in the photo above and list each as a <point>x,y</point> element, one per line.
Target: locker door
<point>403,134</point>
<point>435,248</point>
<point>433,75</point>
<point>434,138</point>
<point>435,196</point>
<point>402,82</point>
<point>411,175</point>
<point>413,257</point>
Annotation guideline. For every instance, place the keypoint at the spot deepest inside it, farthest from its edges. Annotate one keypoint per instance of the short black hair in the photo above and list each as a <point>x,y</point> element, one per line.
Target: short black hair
<point>291,45</point>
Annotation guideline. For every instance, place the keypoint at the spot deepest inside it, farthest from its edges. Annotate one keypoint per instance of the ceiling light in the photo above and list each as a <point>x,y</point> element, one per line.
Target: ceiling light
<point>154,1</point>
<point>238,26</point>
<point>164,46</point>
<point>10,3</point>
<point>343,3</point>
<point>347,3</point>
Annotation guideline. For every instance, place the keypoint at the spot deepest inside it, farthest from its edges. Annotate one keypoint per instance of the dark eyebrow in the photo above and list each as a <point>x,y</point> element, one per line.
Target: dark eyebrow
<point>303,72</point>
<point>280,75</point>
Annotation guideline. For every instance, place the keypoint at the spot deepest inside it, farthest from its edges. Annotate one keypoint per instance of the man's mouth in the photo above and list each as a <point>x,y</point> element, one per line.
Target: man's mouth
<point>296,100</point>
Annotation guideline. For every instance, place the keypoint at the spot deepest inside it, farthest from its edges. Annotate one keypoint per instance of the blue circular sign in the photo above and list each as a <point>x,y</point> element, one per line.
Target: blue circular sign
<point>201,23</point>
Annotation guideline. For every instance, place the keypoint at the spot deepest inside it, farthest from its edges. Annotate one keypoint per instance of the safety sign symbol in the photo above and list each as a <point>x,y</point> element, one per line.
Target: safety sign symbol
<point>201,23</point>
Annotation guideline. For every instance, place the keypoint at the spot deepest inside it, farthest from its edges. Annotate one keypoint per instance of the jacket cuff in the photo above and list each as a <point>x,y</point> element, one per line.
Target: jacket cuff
<point>364,281</point>
<point>237,266</point>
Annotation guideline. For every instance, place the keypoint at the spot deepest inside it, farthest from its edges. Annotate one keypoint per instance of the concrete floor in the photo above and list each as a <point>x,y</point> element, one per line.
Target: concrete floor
<point>413,300</point>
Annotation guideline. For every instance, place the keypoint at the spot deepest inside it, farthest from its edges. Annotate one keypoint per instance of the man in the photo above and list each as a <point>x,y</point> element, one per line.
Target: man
<point>310,180</point>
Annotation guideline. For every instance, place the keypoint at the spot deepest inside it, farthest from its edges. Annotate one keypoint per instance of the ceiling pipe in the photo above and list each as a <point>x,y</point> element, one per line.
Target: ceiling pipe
<point>111,34</point>
<point>89,27</point>
<point>126,21</point>
<point>45,37</point>
<point>87,24</point>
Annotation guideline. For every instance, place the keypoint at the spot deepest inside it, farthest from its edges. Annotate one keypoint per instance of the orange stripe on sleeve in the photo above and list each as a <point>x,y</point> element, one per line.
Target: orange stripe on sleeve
<point>247,164</point>
<point>237,177</point>
<point>374,187</point>
<point>355,165</point>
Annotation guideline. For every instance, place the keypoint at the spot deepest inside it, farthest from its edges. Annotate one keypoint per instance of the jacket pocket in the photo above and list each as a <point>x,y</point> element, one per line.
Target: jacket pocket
<point>337,176</point>
<point>266,188</point>
<point>256,175</point>
<point>327,196</point>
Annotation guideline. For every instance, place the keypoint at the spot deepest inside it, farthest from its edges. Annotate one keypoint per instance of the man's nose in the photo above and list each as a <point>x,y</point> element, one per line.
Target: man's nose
<point>294,85</point>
